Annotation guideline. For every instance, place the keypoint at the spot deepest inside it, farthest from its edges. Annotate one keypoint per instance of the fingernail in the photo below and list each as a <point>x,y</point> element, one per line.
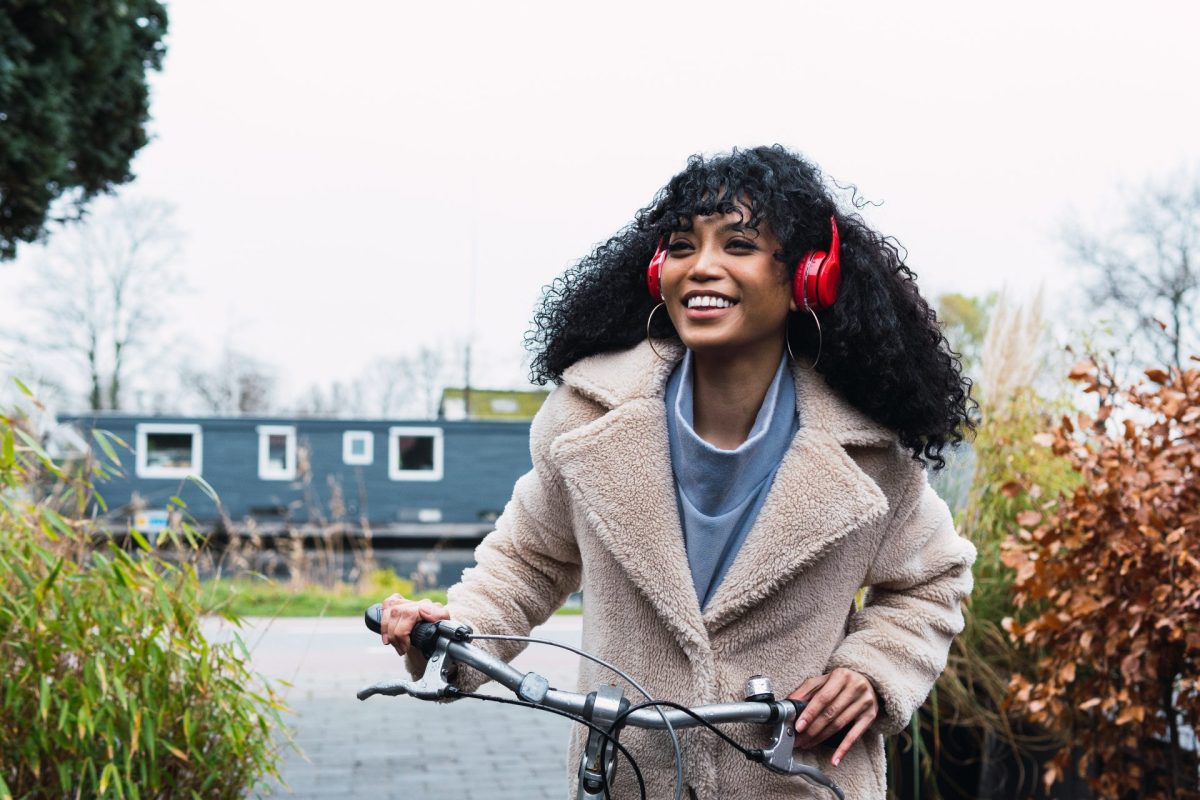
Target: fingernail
<point>801,725</point>
<point>837,760</point>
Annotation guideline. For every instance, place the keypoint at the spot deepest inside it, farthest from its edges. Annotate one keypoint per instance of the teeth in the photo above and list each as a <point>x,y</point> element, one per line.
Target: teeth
<point>708,301</point>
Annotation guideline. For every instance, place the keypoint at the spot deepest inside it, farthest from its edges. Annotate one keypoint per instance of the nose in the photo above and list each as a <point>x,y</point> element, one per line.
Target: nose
<point>708,264</point>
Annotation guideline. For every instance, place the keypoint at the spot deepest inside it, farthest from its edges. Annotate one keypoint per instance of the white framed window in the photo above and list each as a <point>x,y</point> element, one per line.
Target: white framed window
<point>276,452</point>
<point>415,454</point>
<point>169,450</point>
<point>358,447</point>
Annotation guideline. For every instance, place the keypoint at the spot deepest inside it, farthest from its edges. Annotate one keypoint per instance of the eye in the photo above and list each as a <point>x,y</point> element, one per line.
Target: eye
<point>679,246</point>
<point>741,244</point>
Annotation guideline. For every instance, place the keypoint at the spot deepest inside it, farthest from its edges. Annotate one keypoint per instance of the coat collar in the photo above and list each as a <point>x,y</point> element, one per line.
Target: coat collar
<point>619,468</point>
<point>612,379</point>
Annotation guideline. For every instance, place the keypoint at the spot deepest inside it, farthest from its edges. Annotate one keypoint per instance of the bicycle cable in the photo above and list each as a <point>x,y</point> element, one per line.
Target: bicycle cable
<point>606,736</point>
<point>679,778</point>
<point>751,755</point>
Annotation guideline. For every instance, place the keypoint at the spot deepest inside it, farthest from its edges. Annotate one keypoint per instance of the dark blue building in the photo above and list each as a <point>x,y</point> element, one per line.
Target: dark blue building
<point>425,479</point>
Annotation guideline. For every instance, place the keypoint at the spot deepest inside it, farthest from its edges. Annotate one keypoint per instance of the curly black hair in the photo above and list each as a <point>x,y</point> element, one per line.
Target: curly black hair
<point>883,349</point>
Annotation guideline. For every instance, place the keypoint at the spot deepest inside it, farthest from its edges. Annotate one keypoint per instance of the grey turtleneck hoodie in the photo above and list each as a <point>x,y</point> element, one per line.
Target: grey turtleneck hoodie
<point>721,491</point>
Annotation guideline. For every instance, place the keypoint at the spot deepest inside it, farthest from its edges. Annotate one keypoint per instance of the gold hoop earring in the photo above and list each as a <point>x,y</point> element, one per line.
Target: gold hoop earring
<point>649,340</point>
<point>788,341</point>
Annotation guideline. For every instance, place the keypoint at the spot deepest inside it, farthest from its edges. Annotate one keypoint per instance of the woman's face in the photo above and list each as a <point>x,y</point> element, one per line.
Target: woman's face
<point>723,288</point>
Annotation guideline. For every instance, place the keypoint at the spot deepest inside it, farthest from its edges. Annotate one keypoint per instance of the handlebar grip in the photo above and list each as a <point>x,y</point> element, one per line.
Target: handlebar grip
<point>373,618</point>
<point>835,738</point>
<point>424,634</point>
<point>424,637</point>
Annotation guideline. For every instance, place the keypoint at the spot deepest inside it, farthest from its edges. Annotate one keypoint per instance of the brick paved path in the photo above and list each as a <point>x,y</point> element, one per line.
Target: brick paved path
<point>401,747</point>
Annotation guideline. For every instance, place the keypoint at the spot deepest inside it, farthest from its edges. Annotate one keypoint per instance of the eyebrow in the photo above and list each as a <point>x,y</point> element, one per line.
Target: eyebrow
<point>740,227</point>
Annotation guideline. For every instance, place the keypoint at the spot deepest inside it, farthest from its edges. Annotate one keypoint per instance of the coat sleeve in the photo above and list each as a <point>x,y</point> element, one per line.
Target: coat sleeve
<point>529,564</point>
<point>916,584</point>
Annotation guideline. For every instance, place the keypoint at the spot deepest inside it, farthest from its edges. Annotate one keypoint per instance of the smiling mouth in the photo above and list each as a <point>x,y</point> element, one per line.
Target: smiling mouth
<point>709,301</point>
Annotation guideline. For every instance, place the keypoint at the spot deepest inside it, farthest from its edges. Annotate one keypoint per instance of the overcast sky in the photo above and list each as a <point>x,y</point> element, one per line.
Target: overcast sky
<point>330,162</point>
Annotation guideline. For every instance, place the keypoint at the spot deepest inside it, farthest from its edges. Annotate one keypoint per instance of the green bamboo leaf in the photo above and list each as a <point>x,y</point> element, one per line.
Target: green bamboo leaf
<point>48,581</point>
<point>141,540</point>
<point>109,772</point>
<point>56,519</point>
<point>121,574</point>
<point>120,554</point>
<point>25,390</point>
<point>119,687</point>
<point>237,637</point>
<point>85,721</point>
<point>38,451</point>
<point>8,450</point>
<point>43,701</point>
<point>175,751</point>
<point>24,577</point>
<point>105,446</point>
<point>206,488</point>
<point>150,735</point>
<point>106,439</point>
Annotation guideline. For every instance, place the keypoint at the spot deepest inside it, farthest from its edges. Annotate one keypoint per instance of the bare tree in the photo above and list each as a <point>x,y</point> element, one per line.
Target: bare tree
<point>384,387</point>
<point>408,385</point>
<point>338,400</point>
<point>430,370</point>
<point>236,384</point>
<point>1146,269</point>
<point>98,298</point>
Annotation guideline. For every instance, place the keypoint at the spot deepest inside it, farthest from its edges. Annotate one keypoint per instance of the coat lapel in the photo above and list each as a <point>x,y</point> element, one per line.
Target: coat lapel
<point>614,468</point>
<point>818,497</point>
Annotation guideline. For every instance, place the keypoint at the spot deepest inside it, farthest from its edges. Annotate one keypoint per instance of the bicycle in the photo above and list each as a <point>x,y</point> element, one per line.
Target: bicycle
<point>604,711</point>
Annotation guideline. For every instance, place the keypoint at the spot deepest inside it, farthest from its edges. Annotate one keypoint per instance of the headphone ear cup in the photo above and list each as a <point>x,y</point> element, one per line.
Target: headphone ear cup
<point>818,275</point>
<point>654,271</point>
<point>804,287</point>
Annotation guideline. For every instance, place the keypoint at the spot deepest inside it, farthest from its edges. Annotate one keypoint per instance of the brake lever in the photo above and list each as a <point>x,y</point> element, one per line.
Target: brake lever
<point>432,685</point>
<point>780,756</point>
<point>387,688</point>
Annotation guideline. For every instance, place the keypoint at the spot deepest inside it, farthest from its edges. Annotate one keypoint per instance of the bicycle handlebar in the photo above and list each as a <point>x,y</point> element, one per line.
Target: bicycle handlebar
<point>446,642</point>
<point>425,635</point>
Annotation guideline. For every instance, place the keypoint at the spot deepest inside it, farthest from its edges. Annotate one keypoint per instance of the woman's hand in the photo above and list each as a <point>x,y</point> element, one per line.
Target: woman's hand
<point>400,616</point>
<point>835,700</point>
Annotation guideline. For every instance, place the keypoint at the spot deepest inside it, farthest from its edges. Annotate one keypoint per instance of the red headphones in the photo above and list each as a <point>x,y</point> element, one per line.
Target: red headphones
<point>817,275</point>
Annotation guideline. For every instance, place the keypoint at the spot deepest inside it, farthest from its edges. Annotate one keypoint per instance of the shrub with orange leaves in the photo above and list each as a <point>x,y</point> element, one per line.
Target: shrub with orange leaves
<point>1108,589</point>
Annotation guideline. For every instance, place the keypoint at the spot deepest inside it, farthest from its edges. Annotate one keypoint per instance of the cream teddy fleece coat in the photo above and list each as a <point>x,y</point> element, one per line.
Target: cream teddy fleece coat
<point>849,507</point>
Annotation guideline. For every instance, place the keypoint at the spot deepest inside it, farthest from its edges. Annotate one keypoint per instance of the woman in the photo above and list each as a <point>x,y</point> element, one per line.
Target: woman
<point>730,454</point>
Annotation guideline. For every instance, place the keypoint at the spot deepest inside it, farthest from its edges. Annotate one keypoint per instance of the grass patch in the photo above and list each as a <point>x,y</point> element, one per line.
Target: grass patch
<point>258,597</point>
<point>249,597</point>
